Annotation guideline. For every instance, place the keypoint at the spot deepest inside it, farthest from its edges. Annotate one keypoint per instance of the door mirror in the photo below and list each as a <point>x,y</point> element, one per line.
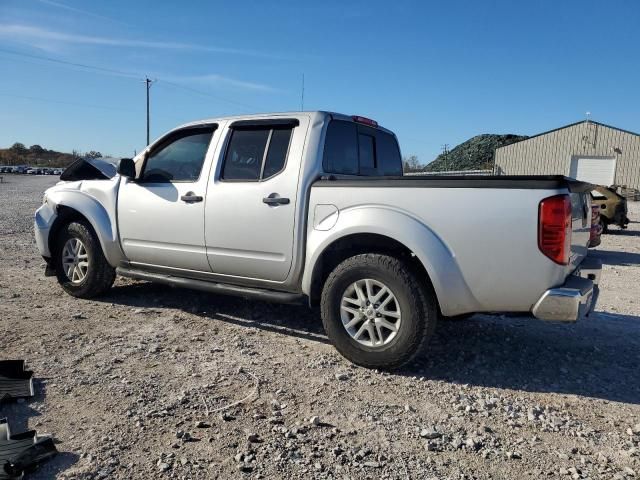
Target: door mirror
<point>127,168</point>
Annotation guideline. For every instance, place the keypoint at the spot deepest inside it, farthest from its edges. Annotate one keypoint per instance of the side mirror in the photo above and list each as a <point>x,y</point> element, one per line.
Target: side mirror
<point>127,168</point>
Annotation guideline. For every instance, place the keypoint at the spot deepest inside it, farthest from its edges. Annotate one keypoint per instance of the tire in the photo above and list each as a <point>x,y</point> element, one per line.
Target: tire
<point>413,297</point>
<point>99,275</point>
<point>605,225</point>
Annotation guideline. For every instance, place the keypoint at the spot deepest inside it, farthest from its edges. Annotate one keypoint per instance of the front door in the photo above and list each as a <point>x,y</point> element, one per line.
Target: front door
<point>251,202</point>
<point>161,213</point>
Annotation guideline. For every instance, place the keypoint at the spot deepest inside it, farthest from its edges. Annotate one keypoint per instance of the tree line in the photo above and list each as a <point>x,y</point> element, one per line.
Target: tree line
<point>35,155</point>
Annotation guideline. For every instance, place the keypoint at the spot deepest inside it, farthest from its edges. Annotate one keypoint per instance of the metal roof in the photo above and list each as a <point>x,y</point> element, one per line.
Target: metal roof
<point>568,126</point>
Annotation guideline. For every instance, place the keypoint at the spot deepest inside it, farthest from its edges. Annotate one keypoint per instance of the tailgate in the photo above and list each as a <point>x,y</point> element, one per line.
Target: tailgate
<point>581,226</point>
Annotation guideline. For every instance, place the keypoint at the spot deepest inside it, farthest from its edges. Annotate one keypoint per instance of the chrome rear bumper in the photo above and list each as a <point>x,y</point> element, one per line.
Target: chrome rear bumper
<point>573,300</point>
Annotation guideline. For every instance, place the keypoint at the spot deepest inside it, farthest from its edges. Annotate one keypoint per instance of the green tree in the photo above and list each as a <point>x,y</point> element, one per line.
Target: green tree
<point>37,149</point>
<point>93,154</point>
<point>19,148</point>
<point>412,164</point>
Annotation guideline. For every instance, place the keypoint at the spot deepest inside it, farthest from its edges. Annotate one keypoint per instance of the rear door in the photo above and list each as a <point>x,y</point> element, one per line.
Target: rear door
<point>251,199</point>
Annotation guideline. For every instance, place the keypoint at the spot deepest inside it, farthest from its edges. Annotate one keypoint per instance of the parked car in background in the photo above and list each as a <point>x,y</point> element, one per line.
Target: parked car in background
<point>613,207</point>
<point>596,227</point>
<point>313,207</point>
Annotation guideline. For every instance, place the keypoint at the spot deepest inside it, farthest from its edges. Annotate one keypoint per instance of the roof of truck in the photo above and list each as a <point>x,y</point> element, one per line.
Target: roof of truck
<point>257,116</point>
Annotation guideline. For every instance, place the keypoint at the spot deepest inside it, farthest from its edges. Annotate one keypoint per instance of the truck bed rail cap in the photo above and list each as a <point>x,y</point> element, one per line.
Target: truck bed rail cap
<point>522,182</point>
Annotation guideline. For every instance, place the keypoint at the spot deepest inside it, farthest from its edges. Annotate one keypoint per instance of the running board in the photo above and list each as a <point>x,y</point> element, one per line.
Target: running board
<point>213,287</point>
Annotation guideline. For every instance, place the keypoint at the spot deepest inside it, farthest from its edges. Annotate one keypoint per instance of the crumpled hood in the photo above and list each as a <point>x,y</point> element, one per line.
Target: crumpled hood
<point>91,169</point>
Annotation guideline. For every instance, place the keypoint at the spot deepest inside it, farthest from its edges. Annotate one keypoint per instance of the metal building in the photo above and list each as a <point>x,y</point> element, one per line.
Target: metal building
<point>586,150</point>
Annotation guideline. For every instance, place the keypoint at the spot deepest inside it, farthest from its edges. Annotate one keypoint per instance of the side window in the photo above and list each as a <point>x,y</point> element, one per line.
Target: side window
<point>341,148</point>
<point>256,154</point>
<point>277,154</point>
<point>354,149</point>
<point>180,159</point>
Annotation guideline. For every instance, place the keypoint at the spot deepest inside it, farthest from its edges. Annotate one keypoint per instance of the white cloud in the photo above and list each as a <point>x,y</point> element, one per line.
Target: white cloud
<point>34,36</point>
<point>214,79</point>
<point>68,8</point>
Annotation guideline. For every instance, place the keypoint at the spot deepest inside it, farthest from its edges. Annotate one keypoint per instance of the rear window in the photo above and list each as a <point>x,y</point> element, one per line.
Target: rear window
<point>353,149</point>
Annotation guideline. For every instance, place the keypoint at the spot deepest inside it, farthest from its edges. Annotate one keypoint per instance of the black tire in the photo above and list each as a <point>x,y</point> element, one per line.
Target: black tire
<point>605,225</point>
<point>415,297</point>
<point>100,275</point>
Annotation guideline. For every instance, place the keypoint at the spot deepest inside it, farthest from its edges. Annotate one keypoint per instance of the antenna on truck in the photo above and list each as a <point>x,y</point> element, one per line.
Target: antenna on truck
<point>302,95</point>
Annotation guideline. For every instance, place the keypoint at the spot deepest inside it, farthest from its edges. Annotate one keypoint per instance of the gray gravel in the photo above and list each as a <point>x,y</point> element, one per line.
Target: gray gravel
<point>138,384</point>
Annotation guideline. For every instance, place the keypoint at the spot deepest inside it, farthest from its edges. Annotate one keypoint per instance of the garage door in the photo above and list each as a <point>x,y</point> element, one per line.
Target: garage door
<point>597,170</point>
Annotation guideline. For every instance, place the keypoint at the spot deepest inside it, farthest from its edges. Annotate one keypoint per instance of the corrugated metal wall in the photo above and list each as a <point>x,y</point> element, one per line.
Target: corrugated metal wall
<point>551,153</point>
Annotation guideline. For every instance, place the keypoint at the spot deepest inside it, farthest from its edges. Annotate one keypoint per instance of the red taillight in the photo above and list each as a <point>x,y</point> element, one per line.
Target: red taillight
<point>365,121</point>
<point>554,228</point>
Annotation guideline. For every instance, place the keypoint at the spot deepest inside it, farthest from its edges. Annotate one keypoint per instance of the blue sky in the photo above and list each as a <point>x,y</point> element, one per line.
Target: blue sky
<point>435,72</point>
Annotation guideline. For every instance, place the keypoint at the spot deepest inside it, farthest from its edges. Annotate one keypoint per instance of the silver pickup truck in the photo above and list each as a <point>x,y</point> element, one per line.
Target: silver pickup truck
<point>313,206</point>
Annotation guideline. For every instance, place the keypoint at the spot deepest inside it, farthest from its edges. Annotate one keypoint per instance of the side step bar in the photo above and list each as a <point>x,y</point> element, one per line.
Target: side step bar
<point>213,287</point>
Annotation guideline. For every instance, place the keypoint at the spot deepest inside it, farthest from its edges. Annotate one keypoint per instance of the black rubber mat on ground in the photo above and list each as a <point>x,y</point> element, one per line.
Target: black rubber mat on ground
<point>15,381</point>
<point>22,451</point>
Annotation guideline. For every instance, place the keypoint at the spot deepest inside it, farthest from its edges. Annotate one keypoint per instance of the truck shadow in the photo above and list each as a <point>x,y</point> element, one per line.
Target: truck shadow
<point>612,257</point>
<point>293,320</point>
<point>597,357</point>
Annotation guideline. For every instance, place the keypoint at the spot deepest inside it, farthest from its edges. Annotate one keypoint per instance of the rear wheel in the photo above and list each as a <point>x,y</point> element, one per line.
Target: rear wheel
<point>81,268</point>
<point>376,311</point>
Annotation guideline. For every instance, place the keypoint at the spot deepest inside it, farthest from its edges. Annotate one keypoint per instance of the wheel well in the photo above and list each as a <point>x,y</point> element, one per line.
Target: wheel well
<point>357,244</point>
<point>65,216</point>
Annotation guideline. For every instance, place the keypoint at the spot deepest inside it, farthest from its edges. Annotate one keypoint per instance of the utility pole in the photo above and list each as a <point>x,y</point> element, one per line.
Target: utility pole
<point>445,152</point>
<point>148,83</point>
<point>302,95</point>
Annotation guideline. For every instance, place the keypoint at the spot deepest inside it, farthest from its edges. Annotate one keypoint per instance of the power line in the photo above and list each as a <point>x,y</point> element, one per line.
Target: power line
<point>49,100</point>
<point>74,64</point>
<point>127,74</point>
<point>205,94</point>
<point>112,71</point>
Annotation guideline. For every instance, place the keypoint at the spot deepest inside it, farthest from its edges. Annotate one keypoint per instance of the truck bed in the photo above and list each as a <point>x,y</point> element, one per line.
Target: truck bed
<point>496,255</point>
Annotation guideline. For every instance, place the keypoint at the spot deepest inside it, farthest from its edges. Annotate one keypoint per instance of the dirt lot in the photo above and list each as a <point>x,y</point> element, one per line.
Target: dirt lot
<point>135,384</point>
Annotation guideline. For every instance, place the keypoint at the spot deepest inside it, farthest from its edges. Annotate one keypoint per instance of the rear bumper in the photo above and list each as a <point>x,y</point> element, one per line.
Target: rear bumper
<point>573,300</point>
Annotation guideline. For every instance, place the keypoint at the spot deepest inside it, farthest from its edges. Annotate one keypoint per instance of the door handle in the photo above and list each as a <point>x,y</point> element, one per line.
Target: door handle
<point>191,197</point>
<point>275,200</point>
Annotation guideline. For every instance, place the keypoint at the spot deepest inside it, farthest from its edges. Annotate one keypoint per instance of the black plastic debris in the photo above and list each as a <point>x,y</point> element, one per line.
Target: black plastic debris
<point>15,381</point>
<point>22,451</point>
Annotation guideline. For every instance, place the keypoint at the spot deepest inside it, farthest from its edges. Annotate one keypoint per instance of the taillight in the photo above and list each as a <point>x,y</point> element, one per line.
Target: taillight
<point>554,228</point>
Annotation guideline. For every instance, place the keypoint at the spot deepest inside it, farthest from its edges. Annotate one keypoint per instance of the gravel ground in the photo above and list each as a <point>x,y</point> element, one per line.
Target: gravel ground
<point>135,384</point>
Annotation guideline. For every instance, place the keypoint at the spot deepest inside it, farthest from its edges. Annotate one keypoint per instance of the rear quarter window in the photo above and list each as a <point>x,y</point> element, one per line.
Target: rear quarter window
<point>354,149</point>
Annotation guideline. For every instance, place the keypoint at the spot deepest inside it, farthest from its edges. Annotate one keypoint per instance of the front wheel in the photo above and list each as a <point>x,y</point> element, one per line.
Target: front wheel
<point>81,268</point>
<point>376,312</point>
